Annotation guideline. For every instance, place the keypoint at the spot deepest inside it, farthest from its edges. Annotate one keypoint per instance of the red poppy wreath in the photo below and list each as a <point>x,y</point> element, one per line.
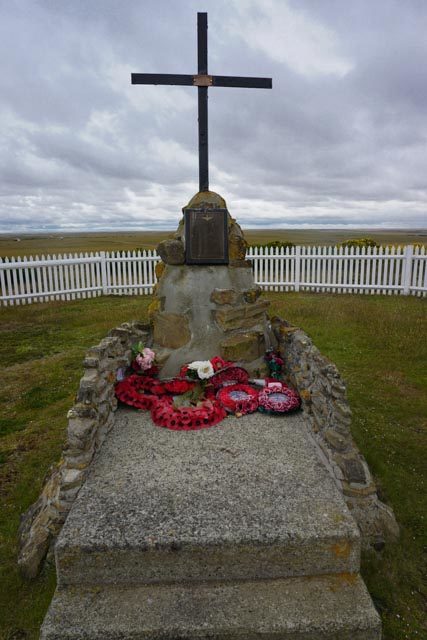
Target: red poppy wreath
<point>238,398</point>
<point>273,400</point>
<point>186,418</point>
<point>142,392</point>
<point>131,391</point>
<point>231,375</point>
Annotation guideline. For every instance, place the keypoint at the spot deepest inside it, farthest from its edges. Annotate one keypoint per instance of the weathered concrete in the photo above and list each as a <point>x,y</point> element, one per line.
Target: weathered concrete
<point>236,531</point>
<point>324,608</point>
<point>186,292</point>
<point>243,500</point>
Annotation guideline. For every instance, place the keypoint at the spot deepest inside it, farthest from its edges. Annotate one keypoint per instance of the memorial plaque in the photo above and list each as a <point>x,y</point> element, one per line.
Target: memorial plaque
<point>206,236</point>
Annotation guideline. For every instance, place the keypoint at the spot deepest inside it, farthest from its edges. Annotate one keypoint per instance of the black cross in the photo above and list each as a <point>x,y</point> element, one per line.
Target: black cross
<point>202,81</point>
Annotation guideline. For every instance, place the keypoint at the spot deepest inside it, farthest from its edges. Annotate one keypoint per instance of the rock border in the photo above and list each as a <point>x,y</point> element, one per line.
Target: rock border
<point>89,420</point>
<point>324,401</point>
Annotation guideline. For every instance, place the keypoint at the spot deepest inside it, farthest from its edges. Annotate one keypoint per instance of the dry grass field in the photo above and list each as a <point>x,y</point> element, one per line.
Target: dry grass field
<point>54,243</point>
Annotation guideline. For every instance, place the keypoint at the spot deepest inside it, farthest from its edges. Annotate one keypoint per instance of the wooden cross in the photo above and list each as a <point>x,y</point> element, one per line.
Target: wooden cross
<point>202,81</point>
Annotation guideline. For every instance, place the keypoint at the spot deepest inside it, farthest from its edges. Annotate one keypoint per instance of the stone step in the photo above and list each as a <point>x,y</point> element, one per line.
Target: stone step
<point>247,499</point>
<point>334,607</point>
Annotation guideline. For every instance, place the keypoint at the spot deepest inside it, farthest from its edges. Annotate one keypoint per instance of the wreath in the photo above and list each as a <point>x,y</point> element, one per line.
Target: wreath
<point>143,391</point>
<point>238,398</point>
<point>204,392</point>
<point>131,391</point>
<point>186,418</point>
<point>230,375</point>
<point>276,401</point>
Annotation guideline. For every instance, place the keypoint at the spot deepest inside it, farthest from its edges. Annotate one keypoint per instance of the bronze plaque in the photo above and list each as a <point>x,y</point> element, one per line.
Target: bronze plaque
<point>206,236</point>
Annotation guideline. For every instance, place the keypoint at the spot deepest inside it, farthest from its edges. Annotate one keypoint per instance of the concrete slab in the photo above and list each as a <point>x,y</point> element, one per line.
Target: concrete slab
<point>324,608</point>
<point>246,499</point>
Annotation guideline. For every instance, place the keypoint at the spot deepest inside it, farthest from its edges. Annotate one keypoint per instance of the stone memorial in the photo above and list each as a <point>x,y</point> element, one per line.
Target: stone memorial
<point>250,529</point>
<point>209,309</point>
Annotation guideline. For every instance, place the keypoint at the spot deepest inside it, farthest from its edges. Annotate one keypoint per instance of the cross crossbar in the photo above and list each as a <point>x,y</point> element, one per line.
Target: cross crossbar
<point>202,81</point>
<point>212,81</point>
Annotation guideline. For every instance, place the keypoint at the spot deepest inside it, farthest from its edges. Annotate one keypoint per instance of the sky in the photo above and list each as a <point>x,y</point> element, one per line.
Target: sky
<point>340,140</point>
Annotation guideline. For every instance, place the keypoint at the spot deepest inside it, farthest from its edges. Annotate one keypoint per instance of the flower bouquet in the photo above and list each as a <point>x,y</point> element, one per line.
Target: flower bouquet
<point>143,360</point>
<point>275,363</point>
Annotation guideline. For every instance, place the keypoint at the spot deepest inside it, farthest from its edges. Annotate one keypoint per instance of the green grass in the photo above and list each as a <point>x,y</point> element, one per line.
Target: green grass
<point>378,343</point>
<point>54,243</point>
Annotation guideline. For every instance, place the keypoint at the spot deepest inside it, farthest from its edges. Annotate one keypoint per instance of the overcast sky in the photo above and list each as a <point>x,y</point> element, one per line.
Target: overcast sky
<point>340,140</point>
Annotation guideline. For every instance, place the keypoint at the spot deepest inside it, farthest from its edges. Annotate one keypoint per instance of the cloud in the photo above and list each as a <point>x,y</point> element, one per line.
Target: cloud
<point>288,35</point>
<point>340,140</point>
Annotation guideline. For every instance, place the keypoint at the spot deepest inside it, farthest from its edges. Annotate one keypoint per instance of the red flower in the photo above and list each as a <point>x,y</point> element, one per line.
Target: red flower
<point>183,373</point>
<point>218,363</point>
<point>158,388</point>
<point>178,387</point>
<point>233,374</point>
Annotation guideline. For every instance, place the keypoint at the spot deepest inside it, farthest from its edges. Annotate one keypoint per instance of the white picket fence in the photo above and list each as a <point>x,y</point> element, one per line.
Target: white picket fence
<point>395,270</point>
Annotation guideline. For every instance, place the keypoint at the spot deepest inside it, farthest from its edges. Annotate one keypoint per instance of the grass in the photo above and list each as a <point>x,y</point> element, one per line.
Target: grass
<point>54,243</point>
<point>378,342</point>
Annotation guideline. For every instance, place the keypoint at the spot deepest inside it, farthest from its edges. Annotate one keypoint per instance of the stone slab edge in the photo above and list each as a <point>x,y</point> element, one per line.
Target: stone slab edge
<point>322,608</point>
<point>324,401</point>
<point>89,420</point>
<point>207,562</point>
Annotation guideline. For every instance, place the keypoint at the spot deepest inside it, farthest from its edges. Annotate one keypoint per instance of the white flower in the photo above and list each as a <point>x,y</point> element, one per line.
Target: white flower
<point>204,368</point>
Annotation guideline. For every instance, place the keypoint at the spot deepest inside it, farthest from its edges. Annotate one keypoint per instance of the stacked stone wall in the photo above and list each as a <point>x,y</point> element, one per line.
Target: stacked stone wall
<point>89,420</point>
<point>324,401</point>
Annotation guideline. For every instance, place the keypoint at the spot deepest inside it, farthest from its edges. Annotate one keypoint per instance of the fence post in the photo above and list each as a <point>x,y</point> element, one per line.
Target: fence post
<point>407,269</point>
<point>297,267</point>
<point>103,273</point>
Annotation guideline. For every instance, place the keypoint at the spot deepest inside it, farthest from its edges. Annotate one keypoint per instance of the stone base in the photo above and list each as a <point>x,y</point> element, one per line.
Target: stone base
<point>231,532</point>
<point>205,311</point>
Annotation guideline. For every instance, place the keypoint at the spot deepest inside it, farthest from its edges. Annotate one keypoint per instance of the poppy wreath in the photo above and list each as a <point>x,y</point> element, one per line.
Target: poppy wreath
<point>238,398</point>
<point>231,375</point>
<point>273,400</point>
<point>174,387</point>
<point>131,391</point>
<point>142,391</point>
<point>206,414</point>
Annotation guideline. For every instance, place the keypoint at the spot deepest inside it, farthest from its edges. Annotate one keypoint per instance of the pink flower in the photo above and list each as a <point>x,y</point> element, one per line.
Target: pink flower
<point>149,354</point>
<point>145,359</point>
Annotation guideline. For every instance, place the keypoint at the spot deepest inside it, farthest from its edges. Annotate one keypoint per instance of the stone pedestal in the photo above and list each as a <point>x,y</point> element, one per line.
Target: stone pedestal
<point>203,311</point>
